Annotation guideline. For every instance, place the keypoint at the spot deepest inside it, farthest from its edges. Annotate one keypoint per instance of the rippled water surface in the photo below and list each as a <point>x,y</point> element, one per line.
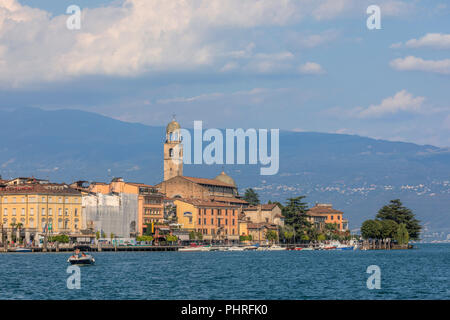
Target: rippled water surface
<point>422,273</point>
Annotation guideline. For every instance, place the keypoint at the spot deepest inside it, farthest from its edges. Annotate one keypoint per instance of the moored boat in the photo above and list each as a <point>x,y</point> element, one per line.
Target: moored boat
<point>275,248</point>
<point>21,249</point>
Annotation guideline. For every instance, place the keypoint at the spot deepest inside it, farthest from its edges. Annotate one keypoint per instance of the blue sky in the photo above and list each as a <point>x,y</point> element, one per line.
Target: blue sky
<point>295,65</point>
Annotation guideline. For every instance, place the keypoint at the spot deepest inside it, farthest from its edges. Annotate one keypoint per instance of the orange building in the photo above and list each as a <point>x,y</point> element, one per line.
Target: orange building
<point>325,213</point>
<point>214,220</point>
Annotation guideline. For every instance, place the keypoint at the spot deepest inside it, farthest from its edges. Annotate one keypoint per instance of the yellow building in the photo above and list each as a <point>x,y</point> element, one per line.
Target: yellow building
<point>28,210</point>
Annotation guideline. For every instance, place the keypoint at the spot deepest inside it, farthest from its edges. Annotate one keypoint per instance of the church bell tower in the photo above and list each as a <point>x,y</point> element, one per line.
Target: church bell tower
<point>173,151</point>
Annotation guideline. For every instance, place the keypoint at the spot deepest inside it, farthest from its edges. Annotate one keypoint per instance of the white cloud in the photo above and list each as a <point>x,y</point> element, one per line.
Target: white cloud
<point>143,36</point>
<point>311,68</point>
<point>412,63</point>
<point>430,40</point>
<point>401,101</point>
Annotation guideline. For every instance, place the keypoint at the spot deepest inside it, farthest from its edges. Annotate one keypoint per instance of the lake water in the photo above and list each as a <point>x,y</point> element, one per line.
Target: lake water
<point>422,273</point>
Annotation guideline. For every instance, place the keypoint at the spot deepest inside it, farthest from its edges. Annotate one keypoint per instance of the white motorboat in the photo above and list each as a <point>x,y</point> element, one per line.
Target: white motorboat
<point>275,248</point>
<point>195,248</point>
<point>235,248</point>
<point>83,259</point>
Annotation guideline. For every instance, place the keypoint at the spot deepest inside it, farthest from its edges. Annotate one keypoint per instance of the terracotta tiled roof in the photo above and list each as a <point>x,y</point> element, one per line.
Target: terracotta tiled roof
<point>39,189</point>
<point>228,199</point>
<point>323,209</point>
<point>262,225</point>
<point>264,207</point>
<point>211,182</point>
<point>205,203</point>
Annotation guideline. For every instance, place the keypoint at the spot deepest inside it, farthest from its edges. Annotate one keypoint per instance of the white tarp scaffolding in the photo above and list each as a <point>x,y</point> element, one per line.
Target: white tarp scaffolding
<point>111,213</point>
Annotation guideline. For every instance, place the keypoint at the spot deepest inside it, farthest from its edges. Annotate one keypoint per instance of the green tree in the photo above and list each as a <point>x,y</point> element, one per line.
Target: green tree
<point>397,212</point>
<point>271,235</point>
<point>304,237</point>
<point>402,235</point>
<point>144,238</point>
<point>388,229</point>
<point>295,214</point>
<point>321,237</point>
<point>97,235</point>
<point>251,197</point>
<point>371,229</point>
<point>171,238</point>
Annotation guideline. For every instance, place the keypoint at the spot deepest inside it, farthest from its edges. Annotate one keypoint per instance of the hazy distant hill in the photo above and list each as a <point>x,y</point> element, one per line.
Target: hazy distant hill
<point>356,174</point>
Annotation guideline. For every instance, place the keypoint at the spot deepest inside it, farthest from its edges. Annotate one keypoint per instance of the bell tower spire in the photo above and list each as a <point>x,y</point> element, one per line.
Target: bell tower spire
<point>173,151</point>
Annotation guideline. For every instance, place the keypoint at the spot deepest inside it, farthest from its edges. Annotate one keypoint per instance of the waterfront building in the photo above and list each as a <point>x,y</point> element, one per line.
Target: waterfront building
<point>323,213</point>
<point>142,203</point>
<point>259,231</point>
<point>215,221</point>
<point>220,189</point>
<point>30,209</point>
<point>261,219</point>
<point>264,213</point>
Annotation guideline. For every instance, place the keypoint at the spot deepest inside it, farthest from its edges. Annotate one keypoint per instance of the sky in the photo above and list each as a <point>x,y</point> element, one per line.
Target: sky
<point>299,65</point>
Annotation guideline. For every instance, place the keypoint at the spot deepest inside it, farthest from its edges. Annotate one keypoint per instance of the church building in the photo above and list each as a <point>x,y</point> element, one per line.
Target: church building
<point>221,189</point>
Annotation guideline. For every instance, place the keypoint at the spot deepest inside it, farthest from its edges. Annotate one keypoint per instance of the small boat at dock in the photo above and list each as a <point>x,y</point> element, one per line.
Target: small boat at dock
<point>21,249</point>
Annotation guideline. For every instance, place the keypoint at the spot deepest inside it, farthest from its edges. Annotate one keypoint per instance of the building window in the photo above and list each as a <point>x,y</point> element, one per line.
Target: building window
<point>60,200</point>
<point>212,220</point>
<point>226,222</point>
<point>66,212</point>
<point>332,217</point>
<point>43,211</point>
<point>199,220</point>
<point>31,211</point>
<point>204,221</point>
<point>339,217</point>
<point>14,199</point>
<point>60,223</point>
<point>50,211</point>
<point>23,212</point>
<point>5,212</point>
<point>5,200</point>
<point>31,223</point>
<point>76,212</point>
<point>232,222</point>
<point>23,199</point>
<point>14,212</point>
<point>43,199</point>
<point>66,224</point>
<point>59,212</point>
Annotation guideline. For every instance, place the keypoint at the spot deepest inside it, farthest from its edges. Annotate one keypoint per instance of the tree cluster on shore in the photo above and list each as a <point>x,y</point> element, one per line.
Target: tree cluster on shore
<point>393,221</point>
